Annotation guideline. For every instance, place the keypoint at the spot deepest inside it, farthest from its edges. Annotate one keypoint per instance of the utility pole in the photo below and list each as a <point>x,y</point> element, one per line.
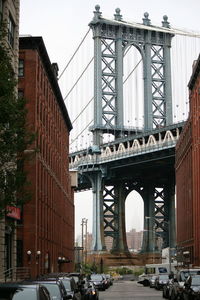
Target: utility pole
<point>84,241</point>
<point>86,221</point>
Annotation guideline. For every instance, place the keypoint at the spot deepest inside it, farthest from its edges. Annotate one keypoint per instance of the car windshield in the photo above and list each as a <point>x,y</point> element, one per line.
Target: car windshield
<point>76,279</point>
<point>18,294</point>
<point>163,277</point>
<point>53,290</point>
<point>196,280</point>
<point>185,274</point>
<point>162,270</point>
<point>96,277</point>
<point>67,285</point>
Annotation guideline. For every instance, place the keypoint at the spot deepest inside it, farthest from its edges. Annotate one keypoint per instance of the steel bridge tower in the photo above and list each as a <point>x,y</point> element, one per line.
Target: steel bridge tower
<point>111,39</point>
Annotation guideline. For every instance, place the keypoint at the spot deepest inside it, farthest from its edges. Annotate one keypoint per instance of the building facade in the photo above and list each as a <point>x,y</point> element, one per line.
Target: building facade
<point>9,19</point>
<point>188,177</point>
<point>9,24</point>
<point>194,94</point>
<point>45,236</point>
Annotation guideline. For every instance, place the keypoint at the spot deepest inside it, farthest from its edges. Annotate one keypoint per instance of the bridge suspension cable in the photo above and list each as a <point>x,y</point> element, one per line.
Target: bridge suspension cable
<point>81,132</point>
<point>82,110</point>
<point>78,79</point>
<point>83,39</point>
<point>132,71</point>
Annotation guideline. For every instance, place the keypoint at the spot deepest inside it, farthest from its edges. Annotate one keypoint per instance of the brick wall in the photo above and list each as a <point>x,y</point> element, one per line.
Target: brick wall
<point>48,219</point>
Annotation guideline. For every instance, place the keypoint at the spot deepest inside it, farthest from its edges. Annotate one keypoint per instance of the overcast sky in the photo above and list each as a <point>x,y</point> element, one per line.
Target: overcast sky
<point>63,23</point>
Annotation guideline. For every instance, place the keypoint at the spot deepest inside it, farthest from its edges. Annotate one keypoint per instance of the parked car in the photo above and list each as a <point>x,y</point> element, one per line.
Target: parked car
<point>161,280</point>
<point>71,281</point>
<point>177,285</point>
<point>90,291</point>
<point>98,281</point>
<point>109,279</point>
<point>71,287</point>
<point>191,288</point>
<point>55,287</point>
<point>152,281</point>
<point>144,279</point>
<point>79,280</point>
<point>22,291</point>
<point>166,288</point>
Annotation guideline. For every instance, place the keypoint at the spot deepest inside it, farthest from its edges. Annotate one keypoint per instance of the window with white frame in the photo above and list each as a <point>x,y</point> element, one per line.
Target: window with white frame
<point>11,31</point>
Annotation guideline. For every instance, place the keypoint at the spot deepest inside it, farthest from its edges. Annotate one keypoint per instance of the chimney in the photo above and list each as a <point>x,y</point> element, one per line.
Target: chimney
<point>55,69</point>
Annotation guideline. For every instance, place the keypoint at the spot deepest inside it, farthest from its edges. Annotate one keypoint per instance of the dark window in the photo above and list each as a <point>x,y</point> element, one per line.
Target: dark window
<point>20,94</point>
<point>1,11</point>
<point>11,31</point>
<point>21,68</point>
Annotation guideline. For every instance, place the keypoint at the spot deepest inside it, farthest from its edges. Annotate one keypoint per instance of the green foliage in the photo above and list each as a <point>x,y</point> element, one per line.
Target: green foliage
<point>14,138</point>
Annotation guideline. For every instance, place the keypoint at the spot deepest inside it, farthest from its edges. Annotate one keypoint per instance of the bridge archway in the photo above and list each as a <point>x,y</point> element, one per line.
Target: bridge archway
<point>134,211</point>
<point>134,220</point>
<point>133,87</point>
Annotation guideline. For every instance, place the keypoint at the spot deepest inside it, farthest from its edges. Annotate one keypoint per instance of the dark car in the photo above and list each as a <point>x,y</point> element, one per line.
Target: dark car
<point>167,288</point>
<point>191,288</point>
<point>152,281</point>
<point>55,287</point>
<point>90,291</point>
<point>177,286</point>
<point>161,280</point>
<point>22,291</point>
<point>109,278</point>
<point>98,281</point>
<point>71,287</point>
<point>79,279</point>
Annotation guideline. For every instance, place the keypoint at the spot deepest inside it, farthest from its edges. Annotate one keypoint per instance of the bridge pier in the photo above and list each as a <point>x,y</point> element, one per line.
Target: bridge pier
<point>98,222</point>
<point>159,216</point>
<point>119,236</point>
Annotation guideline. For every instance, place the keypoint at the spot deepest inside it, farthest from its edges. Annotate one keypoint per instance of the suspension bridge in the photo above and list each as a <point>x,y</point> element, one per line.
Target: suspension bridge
<point>125,88</point>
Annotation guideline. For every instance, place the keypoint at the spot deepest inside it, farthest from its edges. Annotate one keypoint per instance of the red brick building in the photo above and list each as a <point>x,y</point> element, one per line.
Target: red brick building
<point>188,175</point>
<point>45,236</point>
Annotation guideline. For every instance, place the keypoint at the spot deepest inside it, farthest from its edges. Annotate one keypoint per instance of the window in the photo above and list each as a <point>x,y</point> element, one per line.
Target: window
<point>21,68</point>
<point>11,30</point>
<point>1,11</point>
<point>20,94</point>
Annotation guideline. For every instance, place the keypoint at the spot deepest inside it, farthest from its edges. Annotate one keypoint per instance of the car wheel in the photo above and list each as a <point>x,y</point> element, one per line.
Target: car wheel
<point>163,294</point>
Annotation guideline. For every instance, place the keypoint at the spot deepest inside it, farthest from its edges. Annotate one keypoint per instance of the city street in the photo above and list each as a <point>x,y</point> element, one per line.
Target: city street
<point>130,290</point>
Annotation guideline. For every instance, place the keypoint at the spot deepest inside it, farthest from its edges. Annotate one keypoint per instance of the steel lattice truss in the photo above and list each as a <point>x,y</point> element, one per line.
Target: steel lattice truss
<point>161,214</point>
<point>158,85</point>
<point>110,212</point>
<point>108,83</point>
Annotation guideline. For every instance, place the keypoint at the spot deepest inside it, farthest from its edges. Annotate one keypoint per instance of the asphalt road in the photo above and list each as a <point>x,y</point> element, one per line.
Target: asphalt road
<point>130,290</point>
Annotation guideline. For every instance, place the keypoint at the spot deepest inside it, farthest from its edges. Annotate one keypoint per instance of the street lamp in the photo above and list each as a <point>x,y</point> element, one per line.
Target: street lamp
<point>169,237</point>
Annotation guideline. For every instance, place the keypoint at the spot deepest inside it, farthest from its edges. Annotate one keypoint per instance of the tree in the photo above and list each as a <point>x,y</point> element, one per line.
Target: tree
<point>14,138</point>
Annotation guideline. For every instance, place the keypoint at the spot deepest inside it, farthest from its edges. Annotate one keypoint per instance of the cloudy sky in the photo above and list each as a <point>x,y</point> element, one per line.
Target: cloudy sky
<point>63,23</point>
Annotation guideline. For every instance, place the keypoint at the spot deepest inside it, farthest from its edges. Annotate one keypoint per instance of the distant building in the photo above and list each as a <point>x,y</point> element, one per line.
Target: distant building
<point>45,236</point>
<point>134,239</point>
<point>9,21</point>
<point>188,177</point>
